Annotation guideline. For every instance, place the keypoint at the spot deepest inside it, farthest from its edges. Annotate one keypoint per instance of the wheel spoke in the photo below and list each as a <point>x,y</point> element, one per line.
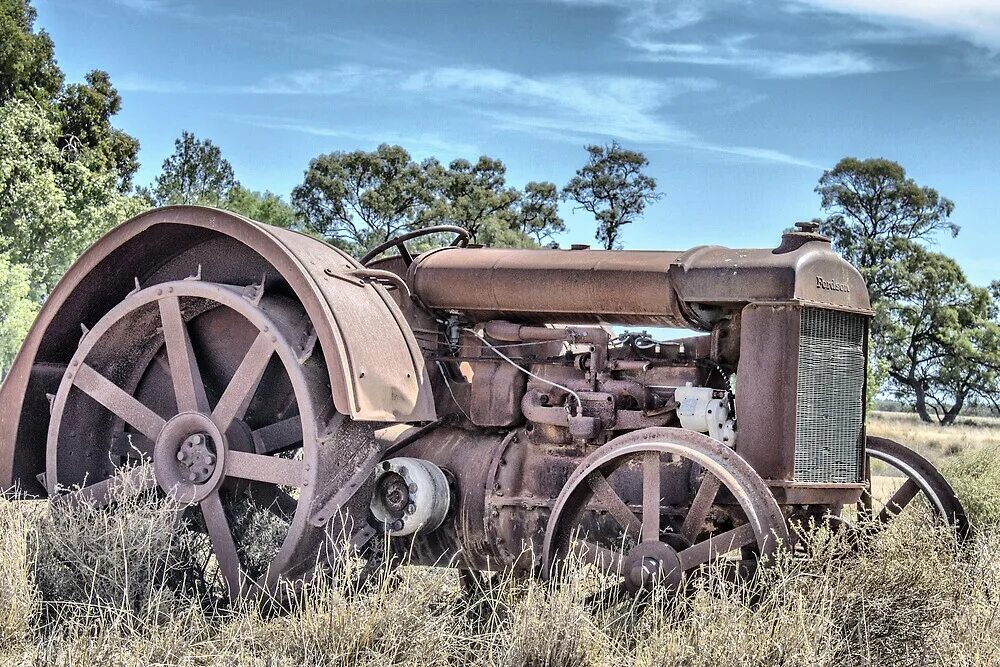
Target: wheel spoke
<point>700,506</point>
<point>715,546</point>
<point>134,480</point>
<point>222,543</point>
<point>273,499</point>
<point>271,469</point>
<point>651,497</point>
<point>613,502</point>
<point>278,436</point>
<point>236,398</point>
<point>118,401</point>
<point>189,389</point>
<point>588,552</point>
<point>904,494</point>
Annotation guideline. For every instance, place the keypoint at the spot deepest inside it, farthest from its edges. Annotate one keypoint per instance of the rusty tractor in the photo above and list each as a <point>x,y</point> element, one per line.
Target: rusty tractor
<point>472,404</point>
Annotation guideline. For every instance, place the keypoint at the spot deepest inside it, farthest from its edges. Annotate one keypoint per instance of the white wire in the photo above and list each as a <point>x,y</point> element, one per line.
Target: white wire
<point>510,361</point>
<point>447,383</point>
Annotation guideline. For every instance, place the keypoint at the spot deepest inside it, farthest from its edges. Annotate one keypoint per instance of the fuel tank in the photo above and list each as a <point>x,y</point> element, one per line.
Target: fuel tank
<point>687,289</point>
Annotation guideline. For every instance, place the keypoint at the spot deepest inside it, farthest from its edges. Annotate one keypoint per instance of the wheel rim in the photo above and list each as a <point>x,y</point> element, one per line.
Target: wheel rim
<point>213,440</point>
<point>910,477</point>
<point>664,551</point>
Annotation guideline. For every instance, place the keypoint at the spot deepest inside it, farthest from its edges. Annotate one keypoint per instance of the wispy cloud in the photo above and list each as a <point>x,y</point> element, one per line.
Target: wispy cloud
<point>336,81</point>
<point>739,52</point>
<point>977,21</point>
<point>582,107</point>
<point>146,6</point>
<point>420,145</point>
<point>565,107</point>
<point>653,28</point>
<point>576,105</point>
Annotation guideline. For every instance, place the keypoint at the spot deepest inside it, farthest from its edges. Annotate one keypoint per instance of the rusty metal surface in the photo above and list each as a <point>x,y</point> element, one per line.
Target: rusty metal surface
<point>254,367</point>
<point>197,417</point>
<point>385,381</point>
<point>921,479</point>
<point>630,286</point>
<point>669,551</point>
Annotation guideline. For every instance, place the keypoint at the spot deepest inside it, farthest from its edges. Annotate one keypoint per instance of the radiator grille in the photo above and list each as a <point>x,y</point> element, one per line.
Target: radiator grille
<point>829,405</point>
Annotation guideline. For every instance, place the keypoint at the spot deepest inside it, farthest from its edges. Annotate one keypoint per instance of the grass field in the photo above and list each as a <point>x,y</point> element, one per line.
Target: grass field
<point>85,587</point>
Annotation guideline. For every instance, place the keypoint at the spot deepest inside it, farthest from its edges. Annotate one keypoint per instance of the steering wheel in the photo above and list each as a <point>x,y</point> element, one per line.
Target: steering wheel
<point>462,238</point>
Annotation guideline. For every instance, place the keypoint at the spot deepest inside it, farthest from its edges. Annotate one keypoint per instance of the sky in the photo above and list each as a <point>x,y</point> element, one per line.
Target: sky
<point>738,104</point>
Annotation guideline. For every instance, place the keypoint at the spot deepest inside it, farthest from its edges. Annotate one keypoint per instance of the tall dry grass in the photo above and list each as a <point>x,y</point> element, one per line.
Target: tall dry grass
<point>80,586</point>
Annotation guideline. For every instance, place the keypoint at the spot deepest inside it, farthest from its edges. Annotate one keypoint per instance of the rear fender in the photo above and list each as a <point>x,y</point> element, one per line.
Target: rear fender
<point>376,369</point>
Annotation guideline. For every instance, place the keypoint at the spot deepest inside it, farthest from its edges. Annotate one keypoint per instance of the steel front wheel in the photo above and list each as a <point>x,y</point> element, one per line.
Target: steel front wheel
<point>676,500</point>
<point>218,391</point>
<point>903,481</point>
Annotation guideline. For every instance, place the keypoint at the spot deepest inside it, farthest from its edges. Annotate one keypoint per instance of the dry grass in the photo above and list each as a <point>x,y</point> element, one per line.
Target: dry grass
<point>82,587</point>
<point>938,443</point>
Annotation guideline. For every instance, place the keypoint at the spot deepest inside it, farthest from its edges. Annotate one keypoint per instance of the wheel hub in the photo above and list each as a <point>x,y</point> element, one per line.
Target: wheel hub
<point>189,457</point>
<point>651,564</point>
<point>197,456</point>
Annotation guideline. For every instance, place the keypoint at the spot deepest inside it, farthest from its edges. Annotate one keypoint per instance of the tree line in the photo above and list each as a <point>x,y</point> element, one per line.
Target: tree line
<point>67,176</point>
<point>359,199</point>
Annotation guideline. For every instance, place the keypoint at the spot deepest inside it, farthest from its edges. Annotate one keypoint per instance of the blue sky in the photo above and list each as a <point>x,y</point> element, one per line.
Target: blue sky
<point>738,104</point>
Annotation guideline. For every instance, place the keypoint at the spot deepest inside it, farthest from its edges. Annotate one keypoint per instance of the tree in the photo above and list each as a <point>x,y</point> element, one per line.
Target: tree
<point>86,110</point>
<point>51,207</point>
<point>17,310</point>
<point>83,111</point>
<point>359,199</point>
<point>939,338</point>
<point>878,215</point>
<point>28,68</point>
<point>539,211</point>
<point>473,196</point>
<point>613,187</point>
<point>264,207</point>
<point>196,173</point>
<point>478,198</point>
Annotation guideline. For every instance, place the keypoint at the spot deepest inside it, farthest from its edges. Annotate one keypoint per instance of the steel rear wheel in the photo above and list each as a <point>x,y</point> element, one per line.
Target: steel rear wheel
<point>727,510</point>
<point>219,391</point>
<point>902,481</point>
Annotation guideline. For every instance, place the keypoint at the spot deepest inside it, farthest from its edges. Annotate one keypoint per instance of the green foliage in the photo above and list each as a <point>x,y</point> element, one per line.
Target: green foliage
<point>613,187</point>
<point>264,207</point>
<point>28,68</point>
<point>473,196</point>
<point>86,110</point>
<point>878,215</point>
<point>539,214</point>
<point>81,111</point>
<point>52,207</point>
<point>196,173</point>
<point>975,476</point>
<point>17,309</point>
<point>938,336</point>
<point>359,199</point>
